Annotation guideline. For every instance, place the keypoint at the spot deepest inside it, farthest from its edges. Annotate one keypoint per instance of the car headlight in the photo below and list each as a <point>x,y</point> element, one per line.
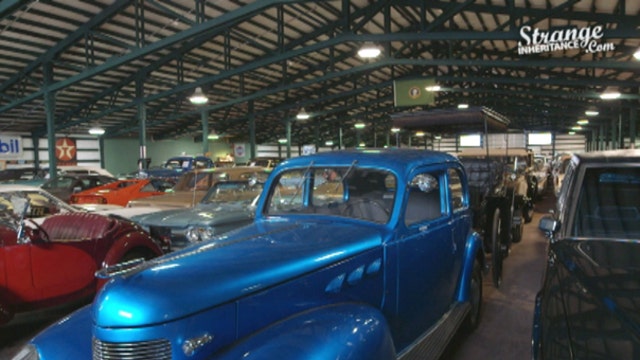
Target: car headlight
<point>199,233</point>
<point>28,352</point>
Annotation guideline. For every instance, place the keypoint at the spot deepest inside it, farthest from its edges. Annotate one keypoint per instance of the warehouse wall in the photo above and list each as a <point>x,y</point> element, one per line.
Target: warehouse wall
<point>121,155</point>
<point>85,150</point>
<point>563,143</point>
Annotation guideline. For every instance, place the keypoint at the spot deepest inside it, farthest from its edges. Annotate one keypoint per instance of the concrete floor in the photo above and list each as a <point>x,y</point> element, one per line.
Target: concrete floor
<point>505,327</point>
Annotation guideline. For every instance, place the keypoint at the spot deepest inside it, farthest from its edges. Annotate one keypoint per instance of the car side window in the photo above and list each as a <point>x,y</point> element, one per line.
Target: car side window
<point>424,200</point>
<point>455,189</point>
<point>608,204</point>
<point>563,195</point>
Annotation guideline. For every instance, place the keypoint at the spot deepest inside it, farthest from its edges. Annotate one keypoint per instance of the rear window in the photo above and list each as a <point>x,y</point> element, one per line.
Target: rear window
<point>609,204</point>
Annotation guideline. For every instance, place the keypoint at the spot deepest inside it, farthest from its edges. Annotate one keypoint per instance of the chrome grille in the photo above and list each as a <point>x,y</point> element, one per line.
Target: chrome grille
<point>143,350</point>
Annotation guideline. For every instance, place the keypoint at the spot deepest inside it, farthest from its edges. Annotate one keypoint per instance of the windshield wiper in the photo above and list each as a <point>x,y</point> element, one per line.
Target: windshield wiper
<point>299,186</point>
<point>353,164</point>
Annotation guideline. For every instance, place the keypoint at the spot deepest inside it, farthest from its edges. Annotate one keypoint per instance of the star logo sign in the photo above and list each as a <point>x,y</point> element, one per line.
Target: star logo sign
<point>65,149</point>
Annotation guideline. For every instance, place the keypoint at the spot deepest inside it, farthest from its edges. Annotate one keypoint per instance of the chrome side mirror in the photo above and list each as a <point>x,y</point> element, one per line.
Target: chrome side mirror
<point>549,225</point>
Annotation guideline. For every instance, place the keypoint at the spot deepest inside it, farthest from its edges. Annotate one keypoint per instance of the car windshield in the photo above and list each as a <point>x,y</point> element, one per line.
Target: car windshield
<point>14,208</point>
<point>40,204</point>
<point>353,192</point>
<point>609,204</point>
<point>199,180</point>
<point>239,193</point>
<point>175,164</point>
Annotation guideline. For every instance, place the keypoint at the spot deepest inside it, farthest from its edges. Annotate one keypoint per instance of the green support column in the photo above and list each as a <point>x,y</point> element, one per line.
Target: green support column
<point>288,139</point>
<point>316,135</point>
<point>252,130</point>
<point>204,118</point>
<point>142,118</point>
<point>614,133</point>
<point>101,142</point>
<point>633,120</point>
<point>50,107</point>
<point>36,150</point>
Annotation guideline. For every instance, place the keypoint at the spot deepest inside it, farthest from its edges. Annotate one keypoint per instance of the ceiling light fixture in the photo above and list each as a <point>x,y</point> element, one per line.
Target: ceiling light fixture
<point>463,106</point>
<point>359,125</point>
<point>395,130</point>
<point>302,115</point>
<point>576,128</point>
<point>583,122</point>
<point>433,88</point>
<point>369,51</point>
<point>637,54</point>
<point>96,130</point>
<point>328,143</point>
<point>282,141</point>
<point>198,97</point>
<point>591,113</point>
<point>213,136</point>
<point>610,95</point>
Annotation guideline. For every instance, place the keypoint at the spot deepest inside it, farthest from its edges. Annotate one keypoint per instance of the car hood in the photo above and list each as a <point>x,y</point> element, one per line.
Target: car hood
<point>201,214</point>
<point>252,259</point>
<point>175,199</point>
<point>600,290</point>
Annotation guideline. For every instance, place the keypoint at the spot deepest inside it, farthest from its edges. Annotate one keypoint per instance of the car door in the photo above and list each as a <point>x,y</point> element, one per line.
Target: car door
<point>460,222</point>
<point>60,268</point>
<point>425,255</point>
<point>43,271</point>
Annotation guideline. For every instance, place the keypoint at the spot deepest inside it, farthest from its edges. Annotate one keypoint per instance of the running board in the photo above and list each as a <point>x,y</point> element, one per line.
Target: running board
<point>433,343</point>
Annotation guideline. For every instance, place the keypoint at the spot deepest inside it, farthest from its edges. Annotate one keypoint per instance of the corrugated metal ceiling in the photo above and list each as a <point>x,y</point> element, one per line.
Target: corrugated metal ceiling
<point>112,63</point>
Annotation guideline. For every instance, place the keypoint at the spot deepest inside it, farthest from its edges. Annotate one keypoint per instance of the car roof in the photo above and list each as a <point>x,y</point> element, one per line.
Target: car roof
<point>18,187</point>
<point>394,158</point>
<point>608,156</point>
<point>494,152</point>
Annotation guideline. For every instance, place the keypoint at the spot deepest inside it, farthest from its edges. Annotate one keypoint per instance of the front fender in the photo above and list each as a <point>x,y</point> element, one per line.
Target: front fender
<point>342,331</point>
<point>473,252</point>
<point>127,243</point>
<point>69,338</point>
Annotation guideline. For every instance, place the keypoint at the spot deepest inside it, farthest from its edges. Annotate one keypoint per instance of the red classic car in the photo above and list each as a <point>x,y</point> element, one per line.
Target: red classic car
<point>120,192</point>
<point>54,263</point>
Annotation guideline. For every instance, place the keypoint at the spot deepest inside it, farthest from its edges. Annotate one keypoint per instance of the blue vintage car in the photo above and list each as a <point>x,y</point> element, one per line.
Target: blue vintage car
<point>354,254</point>
<point>176,166</point>
<point>589,303</point>
<point>227,205</point>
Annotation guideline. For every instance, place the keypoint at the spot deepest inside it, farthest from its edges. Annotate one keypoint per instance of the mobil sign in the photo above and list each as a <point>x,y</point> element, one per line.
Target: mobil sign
<point>10,147</point>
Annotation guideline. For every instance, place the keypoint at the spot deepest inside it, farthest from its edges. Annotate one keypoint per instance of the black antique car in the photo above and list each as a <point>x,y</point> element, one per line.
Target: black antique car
<point>500,195</point>
<point>589,304</point>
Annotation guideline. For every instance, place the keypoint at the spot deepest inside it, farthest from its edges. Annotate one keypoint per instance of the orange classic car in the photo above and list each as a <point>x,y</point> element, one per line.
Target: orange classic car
<point>122,191</point>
